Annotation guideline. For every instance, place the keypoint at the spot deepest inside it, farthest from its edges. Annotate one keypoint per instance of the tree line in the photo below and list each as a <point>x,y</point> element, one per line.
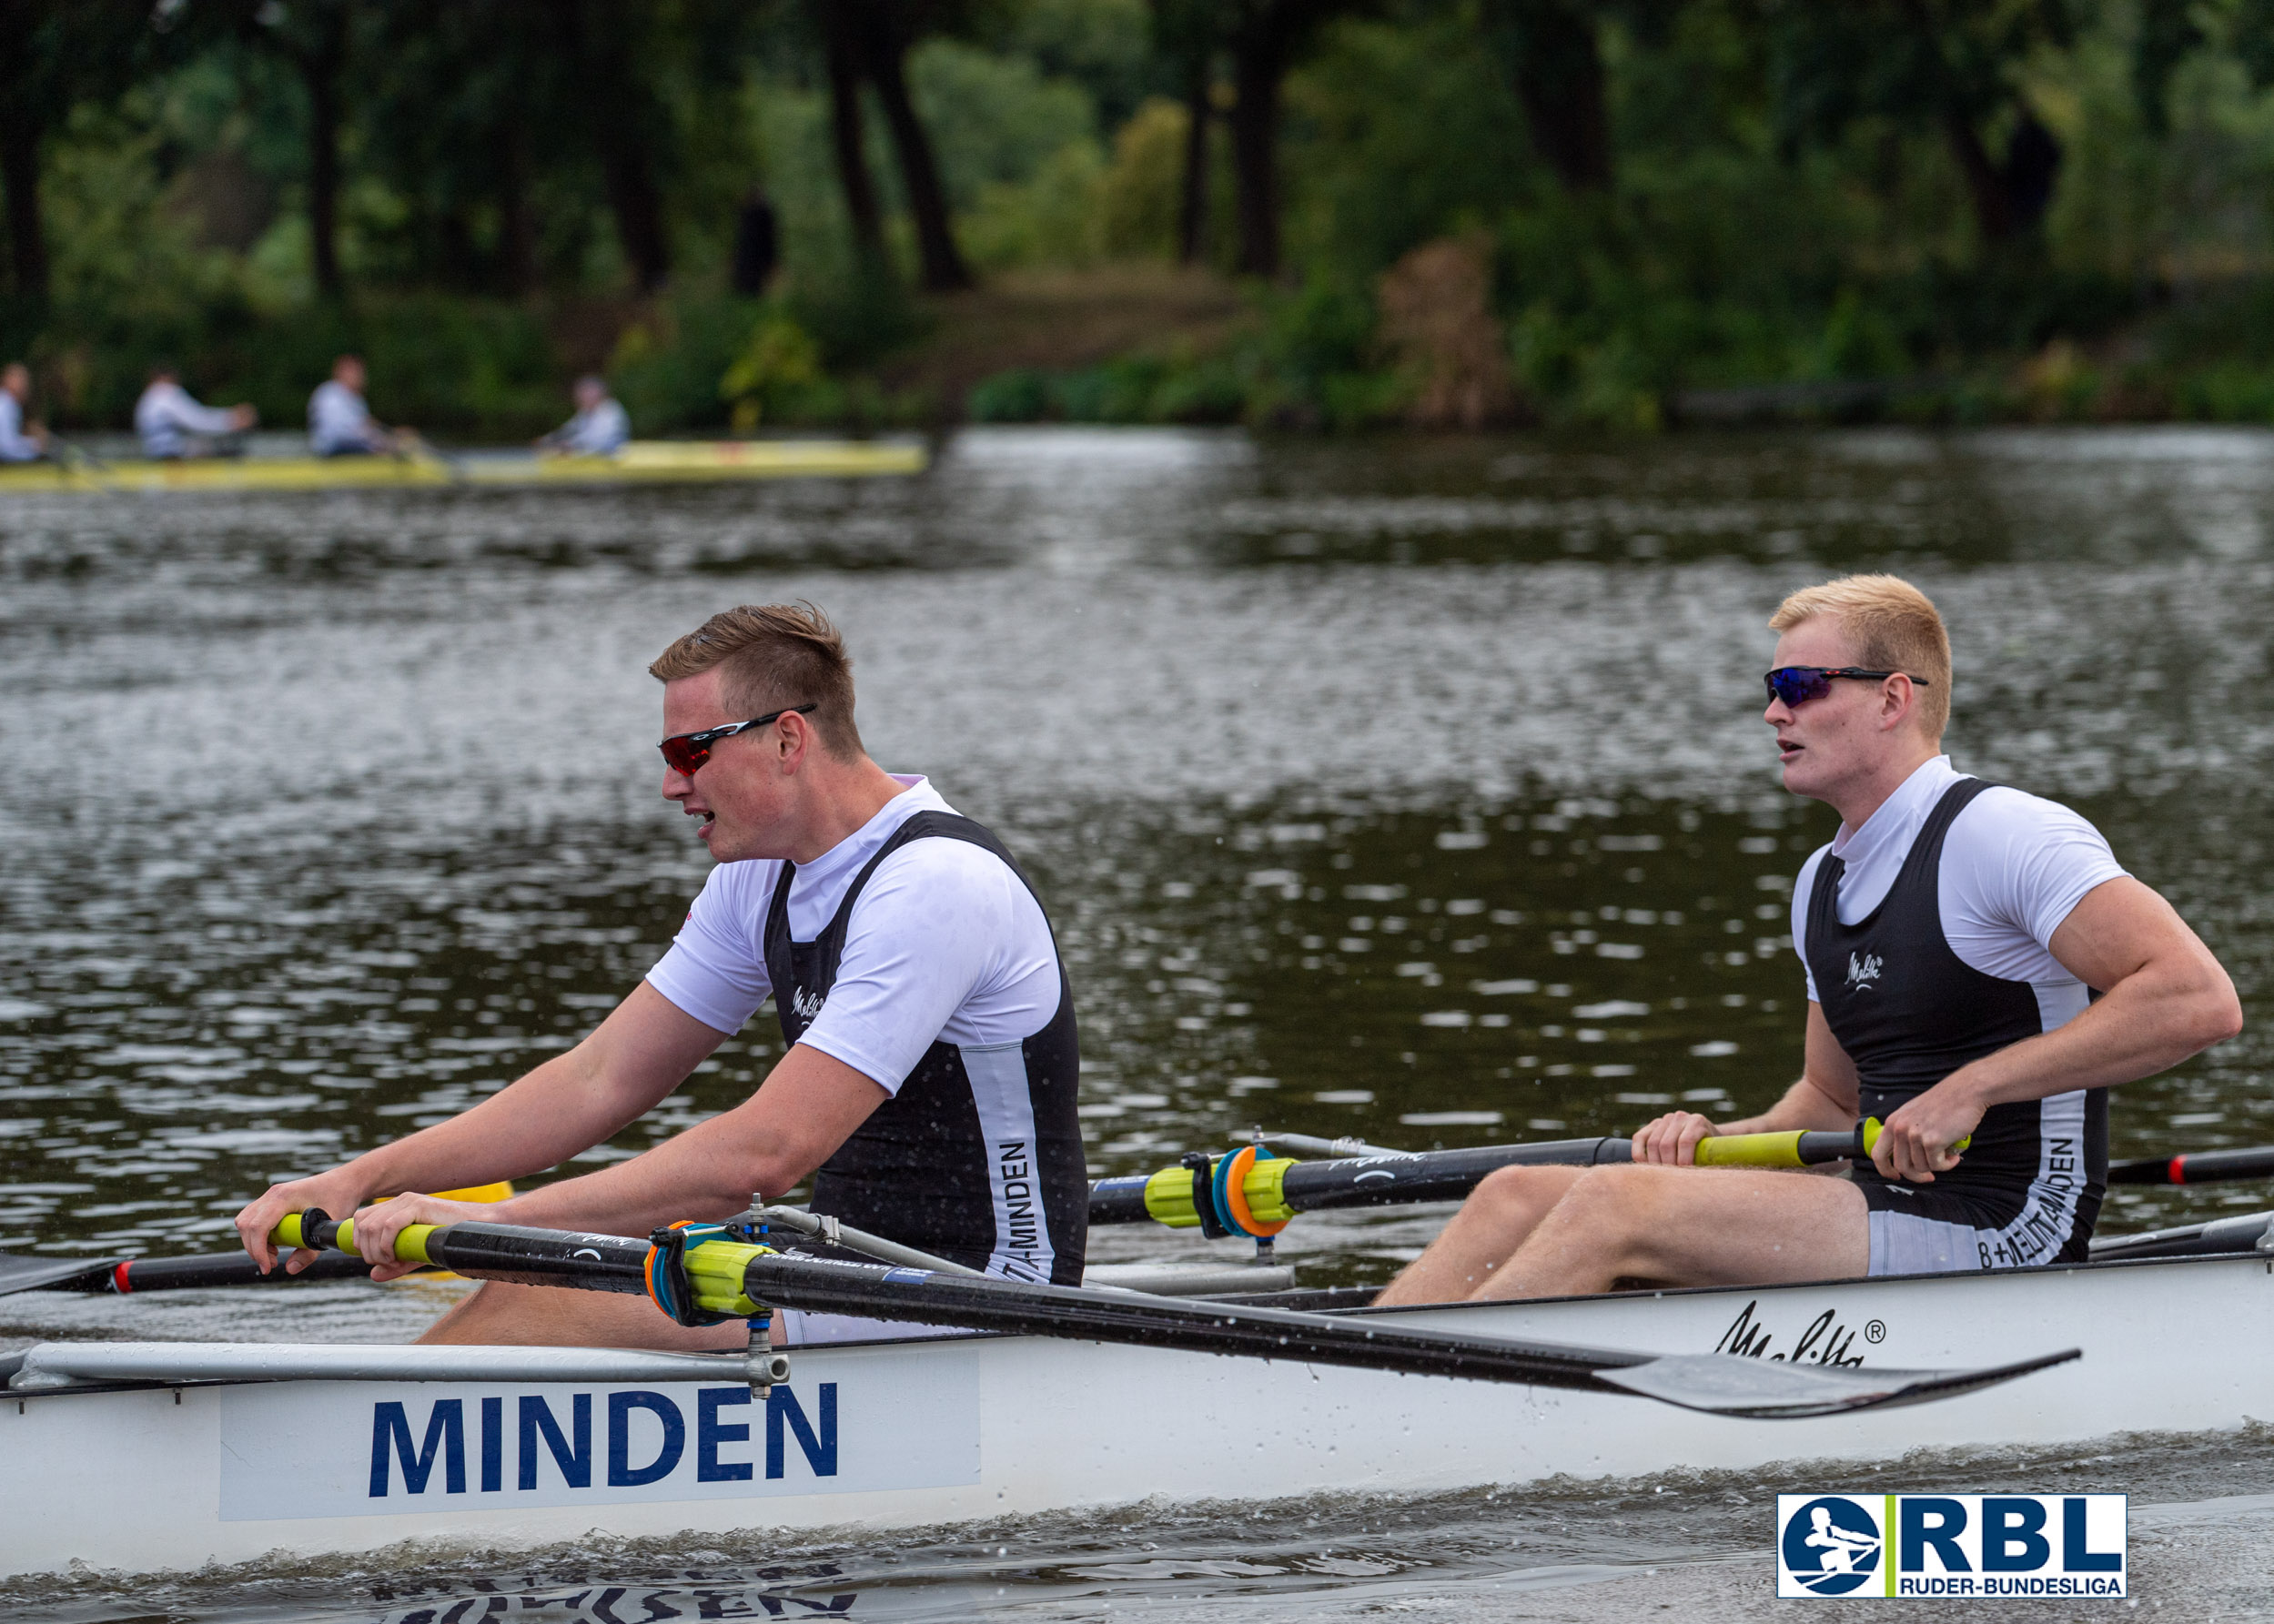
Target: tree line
<point>1638,168</point>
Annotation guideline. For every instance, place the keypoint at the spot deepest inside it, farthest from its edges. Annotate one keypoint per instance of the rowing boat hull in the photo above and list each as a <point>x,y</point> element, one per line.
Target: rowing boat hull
<point>902,1435</point>
<point>641,462</point>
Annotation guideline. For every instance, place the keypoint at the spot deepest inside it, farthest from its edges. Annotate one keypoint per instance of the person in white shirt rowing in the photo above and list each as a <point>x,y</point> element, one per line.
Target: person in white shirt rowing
<point>928,1086</point>
<point>600,428</point>
<point>340,424</point>
<point>1978,968</point>
<point>19,441</point>
<point>173,425</point>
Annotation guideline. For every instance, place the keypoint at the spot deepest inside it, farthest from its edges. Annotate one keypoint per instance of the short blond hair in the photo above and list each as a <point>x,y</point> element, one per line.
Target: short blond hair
<point>775,655</point>
<point>1893,626</point>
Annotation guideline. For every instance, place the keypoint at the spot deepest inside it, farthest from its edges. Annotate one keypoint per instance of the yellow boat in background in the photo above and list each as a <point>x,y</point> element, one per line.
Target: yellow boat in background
<point>654,462</point>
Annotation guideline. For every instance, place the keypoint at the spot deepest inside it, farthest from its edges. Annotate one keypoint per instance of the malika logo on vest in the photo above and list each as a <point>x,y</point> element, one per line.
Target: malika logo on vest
<point>1862,971</point>
<point>807,1002</point>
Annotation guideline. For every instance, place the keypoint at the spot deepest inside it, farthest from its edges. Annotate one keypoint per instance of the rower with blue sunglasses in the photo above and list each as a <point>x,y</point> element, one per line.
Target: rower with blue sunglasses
<point>1980,972</point>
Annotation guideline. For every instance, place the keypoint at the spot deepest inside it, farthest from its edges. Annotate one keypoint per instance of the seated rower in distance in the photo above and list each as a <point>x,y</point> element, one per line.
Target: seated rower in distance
<point>340,424</point>
<point>20,441</point>
<point>173,425</point>
<point>1953,935</point>
<point>600,428</point>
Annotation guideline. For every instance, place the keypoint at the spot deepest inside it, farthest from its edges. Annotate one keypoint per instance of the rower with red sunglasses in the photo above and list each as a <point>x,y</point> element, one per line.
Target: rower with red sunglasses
<point>1979,971</point>
<point>928,1083</point>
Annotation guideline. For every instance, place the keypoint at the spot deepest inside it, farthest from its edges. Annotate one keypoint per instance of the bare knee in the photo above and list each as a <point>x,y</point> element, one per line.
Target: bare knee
<point>1613,1196</point>
<point>1521,1193</point>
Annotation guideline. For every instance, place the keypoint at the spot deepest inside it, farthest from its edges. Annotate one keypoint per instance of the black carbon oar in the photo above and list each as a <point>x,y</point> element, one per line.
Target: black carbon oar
<point>731,1277</point>
<point>2202,1167</point>
<point>125,1276</point>
<point>2248,1232</point>
<point>1179,1196</point>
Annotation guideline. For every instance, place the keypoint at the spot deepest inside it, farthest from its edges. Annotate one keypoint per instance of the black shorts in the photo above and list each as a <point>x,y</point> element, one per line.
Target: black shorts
<point>1943,1228</point>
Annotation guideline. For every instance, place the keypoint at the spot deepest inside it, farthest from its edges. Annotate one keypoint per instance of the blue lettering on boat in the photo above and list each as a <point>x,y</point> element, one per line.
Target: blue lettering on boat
<point>646,1440</point>
<point>821,1452</point>
<point>574,1457</point>
<point>390,1440</point>
<point>621,1473</point>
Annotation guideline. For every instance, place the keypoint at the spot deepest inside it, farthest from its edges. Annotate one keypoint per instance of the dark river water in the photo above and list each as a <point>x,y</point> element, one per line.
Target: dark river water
<point>1408,790</point>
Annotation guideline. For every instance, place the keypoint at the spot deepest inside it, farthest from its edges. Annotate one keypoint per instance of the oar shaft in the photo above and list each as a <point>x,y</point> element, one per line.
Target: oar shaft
<point>985,1303</point>
<point>221,1268</point>
<point>1285,1187</point>
<point>1362,1181</point>
<point>495,1251</point>
<point>2205,1166</point>
<point>734,1278</point>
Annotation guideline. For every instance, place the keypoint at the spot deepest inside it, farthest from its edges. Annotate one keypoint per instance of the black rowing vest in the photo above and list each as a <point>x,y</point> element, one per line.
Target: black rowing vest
<point>1909,1012</point>
<point>978,1156</point>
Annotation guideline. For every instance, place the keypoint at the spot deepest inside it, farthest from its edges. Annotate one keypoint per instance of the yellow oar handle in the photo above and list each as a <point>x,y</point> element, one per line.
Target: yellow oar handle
<point>323,1234</point>
<point>341,1235</point>
<point>1750,1150</point>
<point>1794,1149</point>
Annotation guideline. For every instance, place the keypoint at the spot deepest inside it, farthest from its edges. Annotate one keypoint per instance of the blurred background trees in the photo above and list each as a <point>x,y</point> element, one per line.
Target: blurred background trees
<point>1308,212</point>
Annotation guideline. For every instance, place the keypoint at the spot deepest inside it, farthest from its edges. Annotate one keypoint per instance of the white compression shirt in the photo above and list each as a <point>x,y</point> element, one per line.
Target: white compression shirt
<point>945,944</point>
<point>598,432</point>
<point>337,420</point>
<point>15,446</point>
<point>2014,867</point>
<point>167,416</point>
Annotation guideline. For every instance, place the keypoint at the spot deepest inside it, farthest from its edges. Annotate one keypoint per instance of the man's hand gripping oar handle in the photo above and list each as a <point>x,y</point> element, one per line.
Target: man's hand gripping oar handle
<point>1807,1148</point>
<point>318,1231</point>
<point>692,1272</point>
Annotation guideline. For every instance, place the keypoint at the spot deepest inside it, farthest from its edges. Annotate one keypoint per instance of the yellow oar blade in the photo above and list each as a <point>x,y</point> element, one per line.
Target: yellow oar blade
<point>501,1191</point>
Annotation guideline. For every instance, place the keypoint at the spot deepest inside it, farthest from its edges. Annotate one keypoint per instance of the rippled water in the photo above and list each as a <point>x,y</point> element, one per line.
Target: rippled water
<point>1408,790</point>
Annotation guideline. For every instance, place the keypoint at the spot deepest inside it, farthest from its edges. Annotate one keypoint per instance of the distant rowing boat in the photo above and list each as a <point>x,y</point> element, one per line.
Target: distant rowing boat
<point>641,462</point>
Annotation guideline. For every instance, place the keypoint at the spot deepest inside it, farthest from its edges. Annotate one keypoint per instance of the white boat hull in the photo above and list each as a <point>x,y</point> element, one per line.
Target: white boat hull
<point>912,1434</point>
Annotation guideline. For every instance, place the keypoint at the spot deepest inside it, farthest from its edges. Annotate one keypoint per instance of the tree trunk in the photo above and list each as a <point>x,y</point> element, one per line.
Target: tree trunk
<point>19,177</point>
<point>517,233</point>
<point>844,130</point>
<point>885,45</point>
<point>614,100</point>
<point>1258,62</point>
<point>1992,215</point>
<point>1548,50</point>
<point>1192,218</point>
<point>637,206</point>
<point>321,70</point>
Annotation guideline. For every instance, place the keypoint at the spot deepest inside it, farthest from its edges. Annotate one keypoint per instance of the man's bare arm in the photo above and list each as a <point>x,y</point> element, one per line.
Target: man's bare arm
<point>2164,998</point>
<point>644,1049</point>
<point>808,1105</point>
<point>1825,1096</point>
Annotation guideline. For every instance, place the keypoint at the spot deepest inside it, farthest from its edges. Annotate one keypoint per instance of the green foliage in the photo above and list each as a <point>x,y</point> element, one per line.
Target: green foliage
<point>1397,133</point>
<point>856,309</point>
<point>993,120</point>
<point>1142,198</point>
<point>668,366</point>
<point>777,373</point>
<point>1788,202</point>
<point>1173,389</point>
<point>1054,218</point>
